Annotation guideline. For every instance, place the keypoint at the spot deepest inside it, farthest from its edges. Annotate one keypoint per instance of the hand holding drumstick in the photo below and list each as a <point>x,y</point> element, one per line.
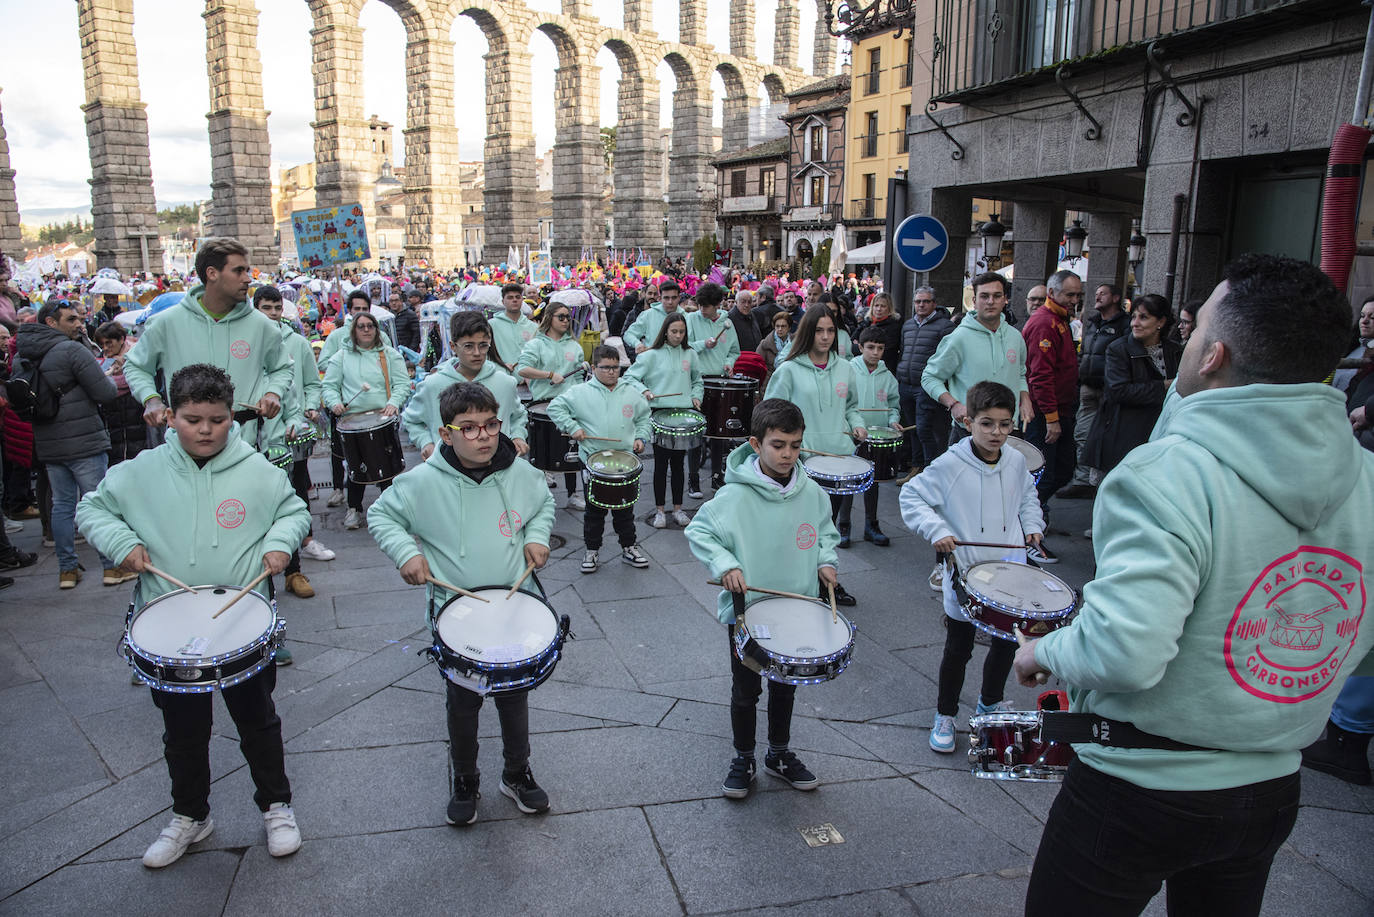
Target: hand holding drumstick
<point>1029,673</point>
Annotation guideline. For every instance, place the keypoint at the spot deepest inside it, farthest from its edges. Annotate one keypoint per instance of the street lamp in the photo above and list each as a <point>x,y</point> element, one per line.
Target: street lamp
<point>1074,237</point>
<point>992,233</point>
<point>1135,251</point>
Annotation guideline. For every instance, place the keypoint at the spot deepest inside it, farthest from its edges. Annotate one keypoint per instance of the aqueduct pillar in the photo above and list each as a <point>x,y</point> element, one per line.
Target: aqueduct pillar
<point>434,197</point>
<point>10,238</point>
<point>786,28</point>
<point>823,46</point>
<point>691,177</point>
<point>342,148</point>
<point>638,205</point>
<point>579,162</point>
<point>510,216</point>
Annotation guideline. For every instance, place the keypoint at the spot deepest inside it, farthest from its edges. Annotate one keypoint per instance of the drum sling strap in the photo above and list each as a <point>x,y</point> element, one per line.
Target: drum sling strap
<point>1089,728</point>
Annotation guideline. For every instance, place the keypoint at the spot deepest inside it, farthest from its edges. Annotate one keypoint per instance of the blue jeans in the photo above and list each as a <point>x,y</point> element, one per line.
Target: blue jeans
<point>70,481</point>
<point>1354,709</point>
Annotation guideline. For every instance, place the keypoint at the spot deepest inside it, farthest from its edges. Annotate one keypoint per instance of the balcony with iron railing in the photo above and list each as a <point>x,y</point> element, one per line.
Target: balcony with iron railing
<point>864,208</point>
<point>981,46</point>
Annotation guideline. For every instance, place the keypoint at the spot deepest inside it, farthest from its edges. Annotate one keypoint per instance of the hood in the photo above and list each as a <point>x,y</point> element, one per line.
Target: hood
<point>234,452</point>
<point>739,470</point>
<point>34,340</point>
<point>192,300</point>
<point>501,459</point>
<point>1311,461</point>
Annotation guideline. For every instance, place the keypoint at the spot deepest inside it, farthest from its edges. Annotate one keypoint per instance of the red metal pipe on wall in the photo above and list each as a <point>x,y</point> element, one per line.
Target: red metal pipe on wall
<point>1340,200</point>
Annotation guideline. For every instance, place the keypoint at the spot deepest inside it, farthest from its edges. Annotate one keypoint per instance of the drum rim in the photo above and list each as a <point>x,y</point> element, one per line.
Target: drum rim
<point>1008,718</point>
<point>200,661</point>
<point>698,422</point>
<point>847,649</point>
<point>1018,612</point>
<point>879,437</point>
<point>838,478</point>
<point>1017,442</point>
<point>555,646</point>
<point>740,382</point>
<point>614,477</point>
<point>385,421</point>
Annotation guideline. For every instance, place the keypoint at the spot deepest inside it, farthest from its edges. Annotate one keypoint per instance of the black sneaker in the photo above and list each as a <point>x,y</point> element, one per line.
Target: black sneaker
<point>14,558</point>
<point>740,778</point>
<point>786,767</point>
<point>462,808</point>
<point>842,597</point>
<point>528,796</point>
<point>1041,554</point>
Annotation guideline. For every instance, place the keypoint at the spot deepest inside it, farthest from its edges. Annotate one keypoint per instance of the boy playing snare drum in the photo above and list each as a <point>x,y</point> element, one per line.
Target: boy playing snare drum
<point>976,491</point>
<point>603,414</point>
<point>769,526</point>
<point>879,405</point>
<point>480,516</point>
<point>221,514</point>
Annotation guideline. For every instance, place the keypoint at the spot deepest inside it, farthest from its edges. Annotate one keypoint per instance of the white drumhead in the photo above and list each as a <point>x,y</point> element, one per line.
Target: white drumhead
<point>364,422</point>
<point>1018,586</point>
<point>837,466</point>
<point>1035,459</point>
<point>179,623</point>
<point>506,630</point>
<point>791,627</point>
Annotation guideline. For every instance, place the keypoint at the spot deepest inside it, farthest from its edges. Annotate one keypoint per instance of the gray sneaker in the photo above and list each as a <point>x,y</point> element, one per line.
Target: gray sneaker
<point>353,519</point>
<point>174,839</point>
<point>589,562</point>
<point>634,556</point>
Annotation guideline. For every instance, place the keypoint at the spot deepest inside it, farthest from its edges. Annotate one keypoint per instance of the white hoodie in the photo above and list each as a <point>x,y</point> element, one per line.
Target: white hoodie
<point>961,495</point>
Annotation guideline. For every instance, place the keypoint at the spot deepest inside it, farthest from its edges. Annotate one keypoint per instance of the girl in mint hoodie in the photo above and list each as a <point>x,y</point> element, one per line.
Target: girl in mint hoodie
<point>221,514</point>
<point>668,373</point>
<point>367,374</point>
<point>549,362</point>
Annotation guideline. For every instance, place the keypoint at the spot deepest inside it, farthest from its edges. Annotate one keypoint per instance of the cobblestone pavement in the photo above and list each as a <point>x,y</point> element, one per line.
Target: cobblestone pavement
<point>630,737</point>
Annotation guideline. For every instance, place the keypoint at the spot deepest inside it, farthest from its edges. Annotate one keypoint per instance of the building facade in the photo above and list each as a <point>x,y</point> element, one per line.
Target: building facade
<point>880,105</point>
<point>815,122</point>
<point>751,186</point>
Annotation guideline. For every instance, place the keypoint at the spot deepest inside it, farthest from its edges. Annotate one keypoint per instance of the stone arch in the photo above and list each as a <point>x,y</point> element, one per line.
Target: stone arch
<point>691,178</point>
<point>776,87</point>
<point>735,110</point>
<point>579,166</point>
<point>637,170</point>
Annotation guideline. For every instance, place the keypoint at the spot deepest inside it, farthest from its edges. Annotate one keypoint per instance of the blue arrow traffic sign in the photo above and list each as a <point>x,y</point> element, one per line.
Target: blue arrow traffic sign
<point>921,242</point>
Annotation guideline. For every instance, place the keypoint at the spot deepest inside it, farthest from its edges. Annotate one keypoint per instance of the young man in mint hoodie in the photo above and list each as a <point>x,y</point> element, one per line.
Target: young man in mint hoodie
<point>480,516</point>
<point>208,509</point>
<point>216,324</point>
<point>644,329</point>
<point>768,526</point>
<point>470,338</point>
<point>1226,614</point>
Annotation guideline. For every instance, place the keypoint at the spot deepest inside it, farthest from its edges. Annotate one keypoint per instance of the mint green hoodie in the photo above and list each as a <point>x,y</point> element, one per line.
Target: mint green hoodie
<point>644,329</point>
<point>245,343</point>
<point>351,368</point>
<point>471,534</point>
<point>334,343</point>
<point>713,361</point>
<point>621,413</point>
<point>205,526</point>
<point>543,353</point>
<point>421,416</point>
<point>779,537</point>
<point>1228,605</point>
<point>879,400</point>
<point>670,370</point>
<point>970,354</point>
<point>511,337</point>
<point>828,399</point>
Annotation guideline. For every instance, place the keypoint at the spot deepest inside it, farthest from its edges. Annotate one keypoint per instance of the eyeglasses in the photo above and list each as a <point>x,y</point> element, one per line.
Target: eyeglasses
<point>471,347</point>
<point>608,368</point>
<point>562,317</point>
<point>365,326</point>
<point>471,431</point>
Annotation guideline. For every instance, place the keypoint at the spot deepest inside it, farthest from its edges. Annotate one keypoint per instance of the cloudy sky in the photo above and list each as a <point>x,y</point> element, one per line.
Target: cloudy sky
<point>40,73</point>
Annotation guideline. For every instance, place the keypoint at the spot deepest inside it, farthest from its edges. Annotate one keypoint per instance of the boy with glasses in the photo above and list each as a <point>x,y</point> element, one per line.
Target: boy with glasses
<point>603,414</point>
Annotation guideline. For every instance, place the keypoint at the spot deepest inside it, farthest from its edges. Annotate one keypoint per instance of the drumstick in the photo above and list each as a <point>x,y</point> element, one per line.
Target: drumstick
<point>529,568</point>
<point>604,439</point>
<point>365,388</point>
<point>777,592</point>
<point>443,585</point>
<point>246,406</point>
<point>241,593</point>
<point>667,394</point>
<point>826,454</point>
<point>990,544</point>
<point>834,615</point>
<point>1040,677</point>
<point>169,578</point>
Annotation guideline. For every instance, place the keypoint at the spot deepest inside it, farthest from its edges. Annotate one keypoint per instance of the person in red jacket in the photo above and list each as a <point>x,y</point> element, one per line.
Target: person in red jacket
<point>1052,376</point>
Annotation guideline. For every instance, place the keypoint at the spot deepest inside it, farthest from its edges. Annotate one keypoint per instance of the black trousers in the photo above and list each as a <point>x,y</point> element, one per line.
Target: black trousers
<point>933,425</point>
<point>1061,456</point>
<point>594,526</point>
<point>1108,845</point>
<point>336,462</point>
<point>745,688</point>
<point>186,722</point>
<point>663,458</point>
<point>846,507</point>
<point>958,651</point>
<point>356,491</point>
<point>512,708</point>
<point>300,480</point>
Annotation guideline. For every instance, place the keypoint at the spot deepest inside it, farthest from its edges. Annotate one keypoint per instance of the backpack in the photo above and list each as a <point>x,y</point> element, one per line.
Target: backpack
<point>29,395</point>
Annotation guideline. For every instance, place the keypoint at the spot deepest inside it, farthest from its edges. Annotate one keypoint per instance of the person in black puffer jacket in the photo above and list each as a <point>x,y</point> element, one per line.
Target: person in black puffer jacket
<point>884,317</point>
<point>124,416</point>
<point>921,335</point>
<point>1101,327</point>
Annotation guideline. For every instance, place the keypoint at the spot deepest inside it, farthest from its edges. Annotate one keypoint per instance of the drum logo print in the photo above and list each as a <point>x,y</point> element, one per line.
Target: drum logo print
<point>628,411</point>
<point>509,522</point>
<point>806,536</point>
<point>240,350</point>
<point>230,514</point>
<point>1294,628</point>
<point>842,389</point>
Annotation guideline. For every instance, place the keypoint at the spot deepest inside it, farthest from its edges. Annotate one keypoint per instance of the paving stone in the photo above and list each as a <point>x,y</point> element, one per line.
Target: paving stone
<point>322,700</point>
<point>41,773</point>
<point>85,675</point>
<point>606,703</point>
<point>659,640</point>
<point>986,895</point>
<point>884,903</point>
<point>324,660</point>
<point>1348,861</point>
<point>807,733</point>
<point>199,885</point>
<point>121,737</point>
<point>991,803</point>
<point>593,662</point>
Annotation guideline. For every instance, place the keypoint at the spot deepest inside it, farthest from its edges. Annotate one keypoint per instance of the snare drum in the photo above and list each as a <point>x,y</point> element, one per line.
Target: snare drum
<point>1007,746</point>
<point>371,447</point>
<point>728,404</point>
<point>302,444</point>
<point>1002,595</point>
<point>881,448</point>
<point>550,450</point>
<point>793,641</point>
<point>612,478</point>
<point>679,428</point>
<point>1035,459</point>
<point>503,644</point>
<point>175,644</point>
<point>280,456</point>
<point>840,474</point>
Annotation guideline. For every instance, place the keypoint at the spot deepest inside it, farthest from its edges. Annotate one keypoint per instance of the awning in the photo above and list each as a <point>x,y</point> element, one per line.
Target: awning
<point>871,253</point>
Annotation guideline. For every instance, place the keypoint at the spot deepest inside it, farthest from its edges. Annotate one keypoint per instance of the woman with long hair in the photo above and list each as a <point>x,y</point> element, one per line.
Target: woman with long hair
<point>551,362</point>
<point>668,373</point>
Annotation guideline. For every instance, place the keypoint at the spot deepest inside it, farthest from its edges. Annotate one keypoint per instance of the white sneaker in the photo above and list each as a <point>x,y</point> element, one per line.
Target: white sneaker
<point>1088,534</point>
<point>353,519</point>
<point>942,734</point>
<point>659,521</point>
<point>635,557</point>
<point>550,480</point>
<point>316,551</point>
<point>12,527</point>
<point>336,498</point>
<point>681,518</point>
<point>937,578</point>
<point>174,839</point>
<point>589,562</point>
<point>283,837</point>
<point>576,501</point>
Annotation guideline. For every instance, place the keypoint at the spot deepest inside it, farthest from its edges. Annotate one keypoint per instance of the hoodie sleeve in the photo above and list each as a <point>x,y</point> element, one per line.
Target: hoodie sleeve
<point>100,518</point>
<point>332,386</point>
<point>562,414</point>
<point>518,426</point>
<point>141,364</point>
<point>400,381</point>
<point>698,390</point>
<point>894,402</point>
<point>1149,570</point>
<point>415,418</point>
<point>388,521</point>
<point>853,417</point>
<point>290,518</point>
<point>731,344</point>
<point>780,385</point>
<point>276,361</point>
<point>920,500</point>
<point>313,393</point>
<point>941,367</point>
<point>1031,515</point>
<point>644,430</point>
<point>704,537</point>
<point>539,526</point>
<point>634,335</point>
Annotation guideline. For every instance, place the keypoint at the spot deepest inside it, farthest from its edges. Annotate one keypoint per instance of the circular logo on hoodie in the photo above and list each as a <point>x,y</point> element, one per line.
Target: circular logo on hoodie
<point>230,514</point>
<point>842,389</point>
<point>526,334</point>
<point>570,356</point>
<point>509,522</point>
<point>240,350</point>
<point>1292,631</point>
<point>1012,356</point>
<point>806,535</point>
<point>686,365</point>
<point>628,412</point>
